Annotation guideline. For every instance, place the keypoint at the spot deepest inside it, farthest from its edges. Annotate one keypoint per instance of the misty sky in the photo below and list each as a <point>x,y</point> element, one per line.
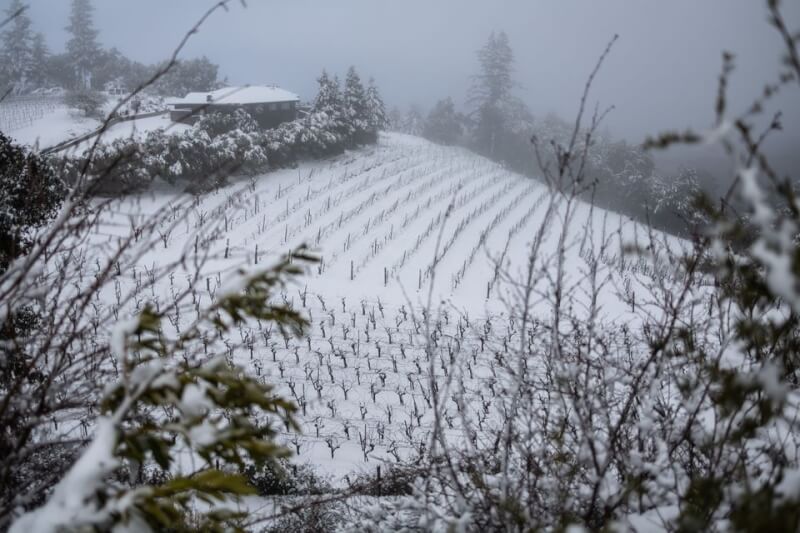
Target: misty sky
<point>662,73</point>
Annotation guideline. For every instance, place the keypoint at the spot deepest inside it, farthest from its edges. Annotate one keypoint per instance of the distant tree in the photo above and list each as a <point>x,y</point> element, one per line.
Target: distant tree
<point>376,109</point>
<point>444,125</point>
<point>40,55</point>
<point>354,100</point>
<point>111,66</point>
<point>395,119</point>
<point>82,47</point>
<point>499,117</point>
<point>60,70</point>
<point>413,121</point>
<point>193,75</point>
<point>16,58</point>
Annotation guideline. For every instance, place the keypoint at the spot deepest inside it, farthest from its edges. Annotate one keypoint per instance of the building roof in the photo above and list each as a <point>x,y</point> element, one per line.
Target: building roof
<point>254,94</point>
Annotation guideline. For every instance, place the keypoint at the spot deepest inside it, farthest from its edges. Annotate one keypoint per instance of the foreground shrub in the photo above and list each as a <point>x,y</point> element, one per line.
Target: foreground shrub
<point>169,405</point>
<point>30,194</point>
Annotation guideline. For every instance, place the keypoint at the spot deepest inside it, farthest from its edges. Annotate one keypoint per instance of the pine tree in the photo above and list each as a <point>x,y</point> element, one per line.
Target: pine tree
<point>444,125</point>
<point>82,48</point>
<point>328,99</point>
<point>40,55</point>
<point>491,93</point>
<point>376,110</point>
<point>16,58</point>
<point>395,119</point>
<point>355,106</point>
<point>329,102</point>
<point>412,121</point>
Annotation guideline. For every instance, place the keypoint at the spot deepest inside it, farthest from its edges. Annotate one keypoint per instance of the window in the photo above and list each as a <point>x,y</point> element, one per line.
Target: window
<point>286,106</point>
<point>273,107</point>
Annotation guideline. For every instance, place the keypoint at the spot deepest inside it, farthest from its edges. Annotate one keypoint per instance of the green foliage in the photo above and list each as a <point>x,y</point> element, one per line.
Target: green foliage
<point>198,422</point>
<point>30,194</point>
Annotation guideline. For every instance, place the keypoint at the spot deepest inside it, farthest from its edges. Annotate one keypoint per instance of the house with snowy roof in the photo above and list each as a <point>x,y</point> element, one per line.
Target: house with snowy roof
<point>268,105</point>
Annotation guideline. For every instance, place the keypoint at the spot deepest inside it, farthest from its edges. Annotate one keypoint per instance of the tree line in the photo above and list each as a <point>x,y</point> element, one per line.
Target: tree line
<point>340,118</point>
<point>499,125</point>
<point>26,62</point>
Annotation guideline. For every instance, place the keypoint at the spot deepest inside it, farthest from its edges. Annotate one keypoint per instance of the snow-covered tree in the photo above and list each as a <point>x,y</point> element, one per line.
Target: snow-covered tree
<point>355,106</point>
<point>496,113</point>
<point>328,99</point>
<point>187,76</point>
<point>444,124</point>
<point>40,55</point>
<point>330,102</point>
<point>16,58</point>
<point>82,48</point>
<point>395,119</point>
<point>412,121</point>
<point>30,192</point>
<point>376,109</point>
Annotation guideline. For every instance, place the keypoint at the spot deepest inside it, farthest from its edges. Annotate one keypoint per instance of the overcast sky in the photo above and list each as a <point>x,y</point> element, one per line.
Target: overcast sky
<point>662,73</point>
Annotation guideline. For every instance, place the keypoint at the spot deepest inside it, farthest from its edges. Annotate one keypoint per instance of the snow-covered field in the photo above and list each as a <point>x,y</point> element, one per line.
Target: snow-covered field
<point>63,124</point>
<point>379,218</point>
<point>53,128</point>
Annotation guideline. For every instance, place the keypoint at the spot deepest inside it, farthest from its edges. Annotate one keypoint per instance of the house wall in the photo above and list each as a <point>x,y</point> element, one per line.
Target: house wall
<point>267,116</point>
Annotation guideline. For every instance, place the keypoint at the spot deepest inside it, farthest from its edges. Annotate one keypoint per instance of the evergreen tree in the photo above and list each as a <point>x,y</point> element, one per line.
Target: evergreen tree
<point>82,48</point>
<point>16,58</point>
<point>412,121</point>
<point>396,119</point>
<point>40,56</point>
<point>491,96</point>
<point>328,99</point>
<point>330,104</point>
<point>444,125</point>
<point>355,108</point>
<point>193,75</point>
<point>376,110</point>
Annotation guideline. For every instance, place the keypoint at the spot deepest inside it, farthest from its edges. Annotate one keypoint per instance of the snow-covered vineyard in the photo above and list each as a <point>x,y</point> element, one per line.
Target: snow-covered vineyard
<point>310,267</point>
<point>378,219</point>
<point>375,217</point>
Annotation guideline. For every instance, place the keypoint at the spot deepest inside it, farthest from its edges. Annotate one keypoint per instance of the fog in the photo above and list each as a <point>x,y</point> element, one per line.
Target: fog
<point>662,73</point>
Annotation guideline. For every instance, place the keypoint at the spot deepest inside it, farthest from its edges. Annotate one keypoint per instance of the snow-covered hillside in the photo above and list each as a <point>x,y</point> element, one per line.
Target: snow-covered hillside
<point>374,216</point>
<point>380,218</point>
<point>63,124</point>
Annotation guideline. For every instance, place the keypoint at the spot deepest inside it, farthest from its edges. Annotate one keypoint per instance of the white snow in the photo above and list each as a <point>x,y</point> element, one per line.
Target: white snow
<point>65,124</point>
<point>374,217</point>
<point>194,401</point>
<point>255,94</point>
<point>61,125</point>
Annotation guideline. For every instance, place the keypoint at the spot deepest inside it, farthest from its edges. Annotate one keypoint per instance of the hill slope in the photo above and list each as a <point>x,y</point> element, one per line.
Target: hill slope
<point>379,217</point>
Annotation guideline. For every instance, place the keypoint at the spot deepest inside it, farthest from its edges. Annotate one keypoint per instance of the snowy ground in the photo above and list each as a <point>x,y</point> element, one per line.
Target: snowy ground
<point>375,217</point>
<point>136,129</point>
<point>61,125</point>
<point>64,124</point>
